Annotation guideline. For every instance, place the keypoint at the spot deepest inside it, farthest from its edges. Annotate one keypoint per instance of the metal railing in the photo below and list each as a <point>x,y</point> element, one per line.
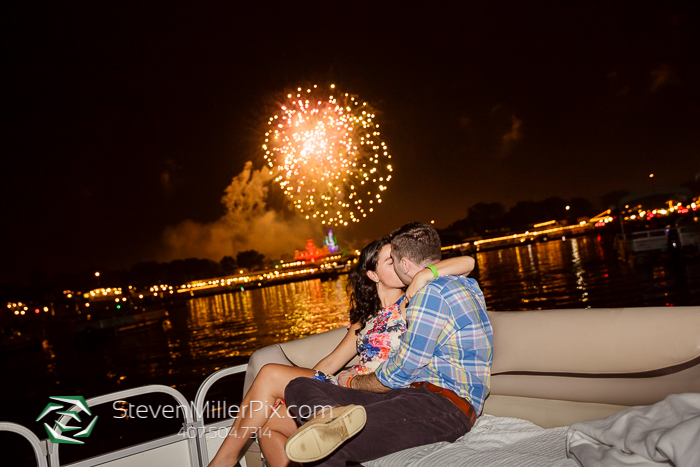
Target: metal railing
<point>199,409</point>
<point>47,452</point>
<point>53,456</point>
<point>29,436</point>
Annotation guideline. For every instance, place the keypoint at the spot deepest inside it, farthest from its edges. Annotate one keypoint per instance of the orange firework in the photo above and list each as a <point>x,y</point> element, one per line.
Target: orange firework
<point>328,154</point>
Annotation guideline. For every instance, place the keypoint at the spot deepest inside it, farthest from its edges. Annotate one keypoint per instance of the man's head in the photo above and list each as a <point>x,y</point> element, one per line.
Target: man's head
<point>413,247</point>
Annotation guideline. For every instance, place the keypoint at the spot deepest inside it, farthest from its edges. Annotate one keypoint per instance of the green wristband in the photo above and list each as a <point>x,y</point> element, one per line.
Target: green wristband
<point>434,269</point>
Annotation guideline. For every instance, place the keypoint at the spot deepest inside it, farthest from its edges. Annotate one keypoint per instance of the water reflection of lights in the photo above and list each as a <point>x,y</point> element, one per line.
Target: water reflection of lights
<point>220,325</point>
<point>575,256</point>
<point>236,324</point>
<point>49,357</point>
<point>533,264</point>
<point>542,275</point>
<point>521,270</point>
<point>578,270</point>
<point>520,261</point>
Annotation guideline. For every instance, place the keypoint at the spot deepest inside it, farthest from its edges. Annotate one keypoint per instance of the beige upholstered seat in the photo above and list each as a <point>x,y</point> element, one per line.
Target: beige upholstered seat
<point>556,367</point>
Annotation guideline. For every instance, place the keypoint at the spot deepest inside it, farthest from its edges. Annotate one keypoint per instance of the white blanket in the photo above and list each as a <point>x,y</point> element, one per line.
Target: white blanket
<point>666,433</point>
<point>493,442</point>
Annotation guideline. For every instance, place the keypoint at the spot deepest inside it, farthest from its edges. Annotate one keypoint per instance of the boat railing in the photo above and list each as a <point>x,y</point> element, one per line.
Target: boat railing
<point>29,436</point>
<point>195,439</point>
<point>208,436</point>
<point>182,436</point>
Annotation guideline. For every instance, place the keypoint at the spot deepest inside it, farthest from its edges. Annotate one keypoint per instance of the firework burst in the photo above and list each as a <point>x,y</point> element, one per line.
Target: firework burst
<point>328,154</point>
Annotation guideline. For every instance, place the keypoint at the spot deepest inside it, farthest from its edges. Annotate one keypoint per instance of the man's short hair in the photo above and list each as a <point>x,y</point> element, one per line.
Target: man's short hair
<point>418,242</point>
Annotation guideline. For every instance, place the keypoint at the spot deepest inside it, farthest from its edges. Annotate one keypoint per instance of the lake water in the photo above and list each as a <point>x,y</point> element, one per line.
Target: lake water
<point>210,333</point>
<point>582,272</point>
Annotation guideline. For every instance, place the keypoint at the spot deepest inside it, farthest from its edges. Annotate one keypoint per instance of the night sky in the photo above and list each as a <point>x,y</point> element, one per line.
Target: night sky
<point>122,121</point>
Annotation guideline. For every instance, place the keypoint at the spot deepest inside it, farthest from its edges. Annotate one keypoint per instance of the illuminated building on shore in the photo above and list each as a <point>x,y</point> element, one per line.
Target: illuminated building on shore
<point>312,253</point>
<point>331,243</point>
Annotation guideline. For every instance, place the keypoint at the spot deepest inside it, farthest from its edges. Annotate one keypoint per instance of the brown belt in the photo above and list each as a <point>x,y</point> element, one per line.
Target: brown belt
<point>462,404</point>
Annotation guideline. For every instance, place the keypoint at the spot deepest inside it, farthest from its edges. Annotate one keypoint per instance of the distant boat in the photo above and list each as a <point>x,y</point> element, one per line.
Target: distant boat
<point>631,245</point>
<point>669,239</point>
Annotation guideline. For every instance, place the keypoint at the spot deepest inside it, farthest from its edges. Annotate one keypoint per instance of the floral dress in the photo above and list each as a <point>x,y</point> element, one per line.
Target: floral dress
<point>375,342</point>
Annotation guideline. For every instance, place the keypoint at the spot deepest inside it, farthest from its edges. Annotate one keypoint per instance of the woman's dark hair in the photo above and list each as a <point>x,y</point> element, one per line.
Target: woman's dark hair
<point>364,300</point>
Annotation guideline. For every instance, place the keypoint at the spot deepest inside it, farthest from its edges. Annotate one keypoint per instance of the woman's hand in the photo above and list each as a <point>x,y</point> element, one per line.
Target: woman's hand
<point>344,377</point>
<point>419,280</point>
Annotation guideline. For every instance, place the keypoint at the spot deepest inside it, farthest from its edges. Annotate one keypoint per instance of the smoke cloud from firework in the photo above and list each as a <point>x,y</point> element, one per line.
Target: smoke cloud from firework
<point>249,223</point>
<point>326,151</point>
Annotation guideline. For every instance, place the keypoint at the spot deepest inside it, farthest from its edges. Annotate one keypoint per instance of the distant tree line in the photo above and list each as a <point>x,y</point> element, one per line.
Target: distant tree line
<point>140,275</point>
<point>186,270</point>
<point>490,219</point>
<point>484,219</point>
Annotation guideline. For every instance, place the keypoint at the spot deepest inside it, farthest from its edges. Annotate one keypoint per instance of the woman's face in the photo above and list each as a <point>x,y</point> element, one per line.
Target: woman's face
<point>385,269</point>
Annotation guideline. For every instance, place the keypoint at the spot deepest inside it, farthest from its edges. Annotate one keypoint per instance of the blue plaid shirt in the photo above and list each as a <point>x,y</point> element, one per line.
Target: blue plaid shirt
<point>448,342</point>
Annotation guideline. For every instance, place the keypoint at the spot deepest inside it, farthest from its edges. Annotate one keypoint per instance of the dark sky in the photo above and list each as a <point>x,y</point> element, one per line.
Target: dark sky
<point>120,120</point>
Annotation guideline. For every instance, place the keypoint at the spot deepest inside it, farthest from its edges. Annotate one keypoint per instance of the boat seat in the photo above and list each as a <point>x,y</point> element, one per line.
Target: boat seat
<point>557,367</point>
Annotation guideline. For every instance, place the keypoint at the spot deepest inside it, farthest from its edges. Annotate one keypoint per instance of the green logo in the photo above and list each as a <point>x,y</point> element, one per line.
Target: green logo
<point>57,436</point>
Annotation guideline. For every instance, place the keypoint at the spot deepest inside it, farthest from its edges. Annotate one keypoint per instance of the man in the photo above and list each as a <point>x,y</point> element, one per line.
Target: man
<point>430,390</point>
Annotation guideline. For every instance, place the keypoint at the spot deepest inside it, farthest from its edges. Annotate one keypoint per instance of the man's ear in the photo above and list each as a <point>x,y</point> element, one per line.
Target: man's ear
<point>405,265</point>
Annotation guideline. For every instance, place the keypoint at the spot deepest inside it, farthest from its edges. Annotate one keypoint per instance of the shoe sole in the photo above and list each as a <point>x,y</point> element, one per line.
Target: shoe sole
<point>318,439</point>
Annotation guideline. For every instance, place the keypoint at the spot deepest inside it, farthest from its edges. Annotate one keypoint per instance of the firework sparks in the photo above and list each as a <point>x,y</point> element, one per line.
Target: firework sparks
<point>328,154</point>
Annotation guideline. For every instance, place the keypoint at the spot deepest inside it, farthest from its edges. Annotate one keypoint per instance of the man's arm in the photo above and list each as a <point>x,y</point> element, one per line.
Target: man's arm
<point>428,319</point>
<point>368,383</point>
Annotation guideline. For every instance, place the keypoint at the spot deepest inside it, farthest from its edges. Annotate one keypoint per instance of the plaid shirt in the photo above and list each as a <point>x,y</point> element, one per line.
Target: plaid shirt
<point>448,342</point>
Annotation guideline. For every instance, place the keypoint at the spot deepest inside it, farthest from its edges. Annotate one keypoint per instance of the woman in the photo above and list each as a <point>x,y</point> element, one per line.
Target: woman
<point>377,320</point>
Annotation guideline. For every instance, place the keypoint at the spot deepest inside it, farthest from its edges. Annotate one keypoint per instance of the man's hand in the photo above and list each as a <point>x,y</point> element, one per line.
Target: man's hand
<point>344,377</point>
<point>368,383</point>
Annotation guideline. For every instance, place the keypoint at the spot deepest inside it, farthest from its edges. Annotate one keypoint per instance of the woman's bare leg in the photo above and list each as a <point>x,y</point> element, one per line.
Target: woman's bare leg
<point>256,408</point>
<point>274,435</point>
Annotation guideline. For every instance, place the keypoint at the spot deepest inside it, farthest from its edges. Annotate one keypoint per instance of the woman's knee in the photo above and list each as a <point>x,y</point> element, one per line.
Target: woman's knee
<point>279,375</point>
<point>271,372</point>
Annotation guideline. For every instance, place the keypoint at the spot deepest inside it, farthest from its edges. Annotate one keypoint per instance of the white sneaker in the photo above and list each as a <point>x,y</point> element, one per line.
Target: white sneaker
<point>323,434</point>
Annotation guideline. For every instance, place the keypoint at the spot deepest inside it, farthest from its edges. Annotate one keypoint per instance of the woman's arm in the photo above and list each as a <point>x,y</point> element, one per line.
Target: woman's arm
<point>342,354</point>
<point>457,266</point>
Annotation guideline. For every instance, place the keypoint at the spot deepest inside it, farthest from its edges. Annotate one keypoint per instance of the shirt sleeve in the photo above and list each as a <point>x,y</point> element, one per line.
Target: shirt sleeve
<point>426,316</point>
